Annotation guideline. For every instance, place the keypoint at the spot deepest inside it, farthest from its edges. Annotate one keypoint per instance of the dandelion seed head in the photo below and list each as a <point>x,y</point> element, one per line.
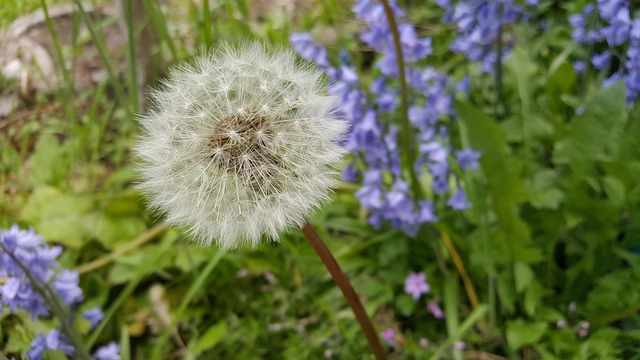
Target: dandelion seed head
<point>240,145</point>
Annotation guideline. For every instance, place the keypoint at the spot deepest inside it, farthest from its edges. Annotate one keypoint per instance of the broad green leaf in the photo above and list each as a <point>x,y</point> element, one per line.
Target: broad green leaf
<point>523,275</point>
<point>559,83</point>
<point>126,267</point>
<point>391,250</point>
<point>62,218</point>
<point>113,231</point>
<point>190,256</point>
<point>405,304</point>
<point>630,149</point>
<point>544,193</point>
<point>211,337</point>
<point>614,189</point>
<point>124,205</point>
<point>533,298</point>
<point>522,333</point>
<point>594,134</point>
<point>600,344</point>
<point>49,163</point>
<point>526,125</point>
<point>503,173</point>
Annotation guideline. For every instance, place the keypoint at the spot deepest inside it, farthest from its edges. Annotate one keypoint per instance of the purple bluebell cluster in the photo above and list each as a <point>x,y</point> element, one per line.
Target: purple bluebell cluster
<point>482,26</point>
<point>609,22</point>
<point>24,250</point>
<point>373,114</point>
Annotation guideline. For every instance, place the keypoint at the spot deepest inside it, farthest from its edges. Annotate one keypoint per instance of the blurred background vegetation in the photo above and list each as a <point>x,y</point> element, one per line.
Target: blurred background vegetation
<point>549,246</point>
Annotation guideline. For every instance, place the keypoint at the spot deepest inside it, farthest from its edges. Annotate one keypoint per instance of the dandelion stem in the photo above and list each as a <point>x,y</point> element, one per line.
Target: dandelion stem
<point>407,138</point>
<point>347,290</point>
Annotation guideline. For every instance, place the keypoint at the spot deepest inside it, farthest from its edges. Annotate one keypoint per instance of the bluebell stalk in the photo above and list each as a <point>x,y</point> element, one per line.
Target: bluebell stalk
<point>35,283</point>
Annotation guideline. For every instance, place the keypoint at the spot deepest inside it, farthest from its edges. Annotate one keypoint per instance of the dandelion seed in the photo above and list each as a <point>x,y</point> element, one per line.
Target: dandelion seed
<point>231,155</point>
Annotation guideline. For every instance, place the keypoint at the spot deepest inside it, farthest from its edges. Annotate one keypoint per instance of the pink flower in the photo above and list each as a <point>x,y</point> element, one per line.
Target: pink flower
<point>416,284</point>
<point>387,336</point>
<point>434,309</point>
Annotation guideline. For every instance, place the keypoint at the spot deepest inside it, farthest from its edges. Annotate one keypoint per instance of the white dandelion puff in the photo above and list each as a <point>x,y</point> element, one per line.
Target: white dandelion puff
<point>240,146</point>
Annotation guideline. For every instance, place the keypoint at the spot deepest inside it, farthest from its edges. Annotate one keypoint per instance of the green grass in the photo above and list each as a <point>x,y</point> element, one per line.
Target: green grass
<point>11,9</point>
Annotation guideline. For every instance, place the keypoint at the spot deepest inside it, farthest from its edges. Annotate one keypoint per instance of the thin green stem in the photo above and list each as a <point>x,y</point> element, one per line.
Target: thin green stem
<point>193,290</point>
<point>409,158</point>
<point>343,283</point>
<point>125,248</point>
<point>206,23</point>
<point>104,55</point>
<point>55,304</point>
<point>157,18</point>
<point>500,101</point>
<point>457,334</point>
<point>131,44</point>
<point>69,103</point>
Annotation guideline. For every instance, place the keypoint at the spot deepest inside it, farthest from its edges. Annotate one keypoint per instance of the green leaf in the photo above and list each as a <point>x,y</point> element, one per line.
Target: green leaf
<point>506,291</point>
<point>533,298</point>
<point>596,133</point>
<point>543,191</point>
<point>614,189</point>
<point>630,149</point>
<point>243,8</point>
<point>392,250</point>
<point>405,304</point>
<point>49,163</point>
<point>62,218</point>
<point>522,333</point>
<point>523,275</point>
<point>129,267</point>
<point>559,83</point>
<point>210,337</point>
<point>503,173</point>
<point>113,231</point>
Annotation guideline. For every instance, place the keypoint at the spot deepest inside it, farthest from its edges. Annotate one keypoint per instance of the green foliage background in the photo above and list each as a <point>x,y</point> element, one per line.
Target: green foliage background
<point>555,217</point>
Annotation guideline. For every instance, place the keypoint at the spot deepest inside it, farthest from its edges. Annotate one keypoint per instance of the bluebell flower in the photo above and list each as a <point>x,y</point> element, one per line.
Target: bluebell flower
<point>109,352</point>
<point>29,249</point>
<point>459,200</point>
<point>481,24</point>
<point>53,341</point>
<point>373,138</point>
<point>303,44</point>
<point>370,194</point>
<point>24,247</point>
<point>94,315</point>
<point>601,61</point>
<point>66,285</point>
<point>468,159</point>
<point>611,26</point>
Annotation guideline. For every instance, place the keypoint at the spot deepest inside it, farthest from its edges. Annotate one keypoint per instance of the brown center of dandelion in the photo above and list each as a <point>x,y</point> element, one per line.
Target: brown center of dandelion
<point>242,144</point>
